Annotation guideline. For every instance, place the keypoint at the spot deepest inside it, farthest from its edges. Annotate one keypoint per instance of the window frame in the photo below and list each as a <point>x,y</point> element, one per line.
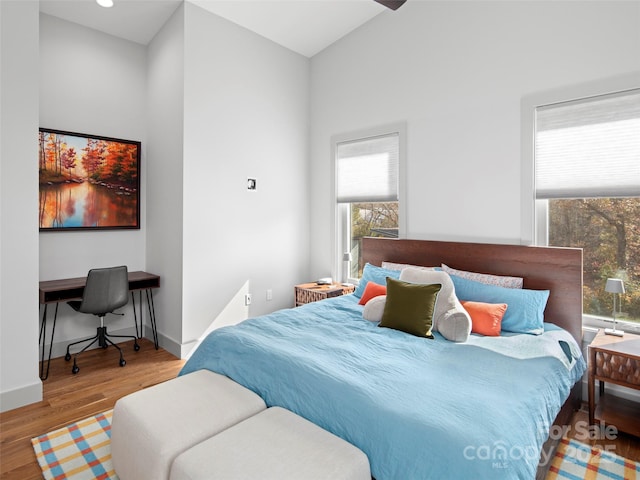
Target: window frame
<point>534,212</point>
<point>341,212</point>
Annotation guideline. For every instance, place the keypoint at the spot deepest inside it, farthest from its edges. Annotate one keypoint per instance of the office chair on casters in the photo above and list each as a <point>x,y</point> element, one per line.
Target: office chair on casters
<point>106,290</point>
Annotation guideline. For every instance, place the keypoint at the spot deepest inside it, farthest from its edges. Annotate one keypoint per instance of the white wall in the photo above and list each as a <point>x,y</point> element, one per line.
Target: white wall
<point>246,115</point>
<point>211,107</point>
<point>456,72</point>
<point>19,382</point>
<point>92,83</point>
<point>165,186</point>
<point>224,105</point>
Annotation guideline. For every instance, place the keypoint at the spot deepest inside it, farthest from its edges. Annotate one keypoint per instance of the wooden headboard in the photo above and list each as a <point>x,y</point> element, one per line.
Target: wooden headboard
<point>558,270</point>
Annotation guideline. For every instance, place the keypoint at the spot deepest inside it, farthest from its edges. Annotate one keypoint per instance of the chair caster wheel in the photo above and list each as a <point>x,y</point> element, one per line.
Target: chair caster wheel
<point>122,362</point>
<point>75,369</point>
<point>67,357</point>
<point>136,347</point>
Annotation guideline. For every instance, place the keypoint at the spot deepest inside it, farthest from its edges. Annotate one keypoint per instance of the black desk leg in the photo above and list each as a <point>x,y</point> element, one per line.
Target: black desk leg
<point>43,327</point>
<point>135,317</point>
<point>43,335</point>
<point>152,316</point>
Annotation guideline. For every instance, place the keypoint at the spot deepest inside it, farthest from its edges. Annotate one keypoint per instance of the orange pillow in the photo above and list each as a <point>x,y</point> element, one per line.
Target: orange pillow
<point>371,290</point>
<point>486,318</point>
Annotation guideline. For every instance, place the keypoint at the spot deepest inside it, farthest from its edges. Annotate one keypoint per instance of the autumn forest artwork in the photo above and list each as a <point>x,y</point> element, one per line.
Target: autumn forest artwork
<point>88,182</point>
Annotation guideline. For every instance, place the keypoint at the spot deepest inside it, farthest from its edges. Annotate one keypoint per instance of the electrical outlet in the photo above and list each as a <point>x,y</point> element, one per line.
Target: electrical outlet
<point>247,299</point>
<point>269,295</point>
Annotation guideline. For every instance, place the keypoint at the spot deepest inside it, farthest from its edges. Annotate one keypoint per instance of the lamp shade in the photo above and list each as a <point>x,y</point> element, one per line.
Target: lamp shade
<point>614,285</point>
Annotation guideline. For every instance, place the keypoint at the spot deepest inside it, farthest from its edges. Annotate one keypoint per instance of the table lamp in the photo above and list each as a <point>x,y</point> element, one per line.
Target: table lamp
<point>615,286</point>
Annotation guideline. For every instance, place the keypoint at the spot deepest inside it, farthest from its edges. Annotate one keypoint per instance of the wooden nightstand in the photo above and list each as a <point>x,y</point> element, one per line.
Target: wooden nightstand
<point>312,292</point>
<point>615,360</point>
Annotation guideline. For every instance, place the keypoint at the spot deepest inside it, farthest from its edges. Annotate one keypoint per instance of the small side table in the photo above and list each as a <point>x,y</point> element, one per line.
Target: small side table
<point>615,360</point>
<point>312,292</point>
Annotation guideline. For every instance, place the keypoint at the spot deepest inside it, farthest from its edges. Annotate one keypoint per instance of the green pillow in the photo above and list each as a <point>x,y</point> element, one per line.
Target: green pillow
<point>409,307</point>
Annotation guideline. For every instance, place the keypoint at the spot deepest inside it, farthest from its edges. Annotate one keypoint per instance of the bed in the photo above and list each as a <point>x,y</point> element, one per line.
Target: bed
<point>422,408</point>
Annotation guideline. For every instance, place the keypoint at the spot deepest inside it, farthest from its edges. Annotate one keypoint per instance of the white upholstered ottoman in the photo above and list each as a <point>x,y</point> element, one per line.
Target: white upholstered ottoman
<point>275,444</point>
<point>151,427</point>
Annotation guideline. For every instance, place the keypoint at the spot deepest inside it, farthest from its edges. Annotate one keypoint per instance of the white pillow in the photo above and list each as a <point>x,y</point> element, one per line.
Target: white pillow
<point>488,279</point>
<point>449,317</point>
<point>455,325</point>
<point>401,266</point>
<point>374,308</point>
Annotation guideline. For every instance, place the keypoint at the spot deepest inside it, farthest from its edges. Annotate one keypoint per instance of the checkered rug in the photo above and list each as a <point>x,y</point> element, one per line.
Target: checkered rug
<point>80,451</point>
<point>577,461</point>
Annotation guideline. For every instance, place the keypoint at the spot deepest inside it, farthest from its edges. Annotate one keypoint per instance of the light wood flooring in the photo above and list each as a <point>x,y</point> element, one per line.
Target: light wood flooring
<point>68,398</point>
<point>620,443</point>
<point>100,382</point>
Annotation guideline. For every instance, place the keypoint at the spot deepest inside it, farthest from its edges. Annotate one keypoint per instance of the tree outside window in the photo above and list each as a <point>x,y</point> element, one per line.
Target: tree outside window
<point>608,231</point>
<point>373,219</point>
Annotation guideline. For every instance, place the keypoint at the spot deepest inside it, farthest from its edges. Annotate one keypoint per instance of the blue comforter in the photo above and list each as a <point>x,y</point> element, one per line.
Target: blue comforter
<point>419,408</point>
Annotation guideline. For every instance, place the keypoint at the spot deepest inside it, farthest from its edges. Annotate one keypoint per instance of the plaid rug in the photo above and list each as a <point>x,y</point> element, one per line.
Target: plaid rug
<point>82,451</point>
<point>79,451</point>
<point>577,461</point>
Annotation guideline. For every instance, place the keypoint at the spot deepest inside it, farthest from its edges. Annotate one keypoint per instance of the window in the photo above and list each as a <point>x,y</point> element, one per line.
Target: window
<point>587,190</point>
<point>367,193</point>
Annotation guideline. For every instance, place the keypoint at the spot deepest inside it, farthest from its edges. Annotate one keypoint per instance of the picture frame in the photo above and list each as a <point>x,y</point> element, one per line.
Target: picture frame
<point>87,182</point>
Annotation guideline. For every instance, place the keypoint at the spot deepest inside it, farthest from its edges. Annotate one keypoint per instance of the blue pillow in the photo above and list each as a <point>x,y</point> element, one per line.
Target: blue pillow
<point>525,308</point>
<point>374,274</point>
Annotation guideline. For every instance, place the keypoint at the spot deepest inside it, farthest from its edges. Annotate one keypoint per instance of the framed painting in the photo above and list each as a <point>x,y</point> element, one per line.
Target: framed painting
<point>88,182</point>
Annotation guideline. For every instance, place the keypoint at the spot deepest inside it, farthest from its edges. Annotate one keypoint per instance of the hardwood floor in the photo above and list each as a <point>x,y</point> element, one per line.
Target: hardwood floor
<point>100,382</point>
<point>68,398</point>
<point>619,443</point>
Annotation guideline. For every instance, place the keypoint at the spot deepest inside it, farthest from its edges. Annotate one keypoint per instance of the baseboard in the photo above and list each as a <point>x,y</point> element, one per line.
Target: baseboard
<point>188,348</point>
<point>20,397</point>
<point>167,343</point>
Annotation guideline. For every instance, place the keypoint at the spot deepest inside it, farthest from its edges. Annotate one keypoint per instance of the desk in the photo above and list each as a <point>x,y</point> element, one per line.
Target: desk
<point>56,291</point>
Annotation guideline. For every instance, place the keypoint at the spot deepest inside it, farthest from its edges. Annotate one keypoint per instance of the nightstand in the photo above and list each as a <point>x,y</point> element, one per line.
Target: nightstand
<point>615,360</point>
<point>312,292</point>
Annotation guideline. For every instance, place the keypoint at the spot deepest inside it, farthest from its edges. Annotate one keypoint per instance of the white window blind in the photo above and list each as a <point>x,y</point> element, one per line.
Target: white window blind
<point>367,169</point>
<point>589,148</point>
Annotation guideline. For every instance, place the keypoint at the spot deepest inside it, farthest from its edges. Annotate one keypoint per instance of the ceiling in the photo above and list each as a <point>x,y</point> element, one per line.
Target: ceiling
<point>304,26</point>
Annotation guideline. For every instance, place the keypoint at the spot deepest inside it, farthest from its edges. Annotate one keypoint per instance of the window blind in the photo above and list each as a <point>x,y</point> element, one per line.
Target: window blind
<point>367,169</point>
<point>589,148</point>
